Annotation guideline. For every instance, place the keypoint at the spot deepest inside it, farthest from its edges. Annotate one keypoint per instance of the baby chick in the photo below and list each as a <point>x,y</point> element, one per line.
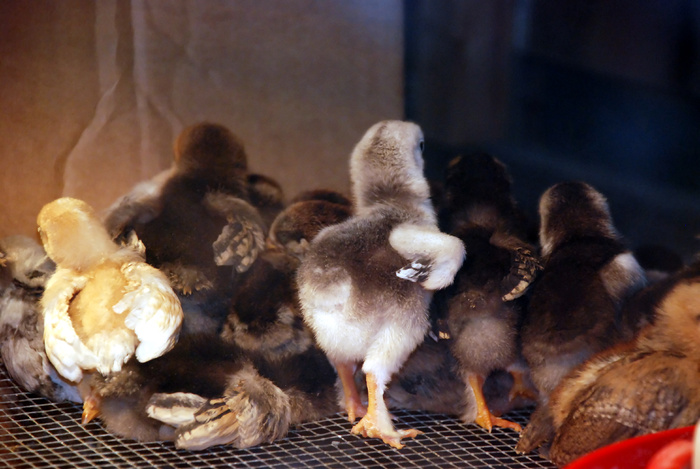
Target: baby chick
<point>197,222</point>
<point>481,306</point>
<point>645,386</point>
<point>24,274</point>
<point>306,215</point>
<point>576,303</point>
<point>103,304</point>
<point>365,284</point>
<point>266,322</point>
<point>204,392</point>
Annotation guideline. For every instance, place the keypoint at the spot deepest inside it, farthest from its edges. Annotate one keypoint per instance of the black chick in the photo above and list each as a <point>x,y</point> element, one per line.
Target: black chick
<point>266,322</point>
<point>575,309</point>
<point>644,386</point>
<point>483,306</point>
<point>24,270</point>
<point>197,222</point>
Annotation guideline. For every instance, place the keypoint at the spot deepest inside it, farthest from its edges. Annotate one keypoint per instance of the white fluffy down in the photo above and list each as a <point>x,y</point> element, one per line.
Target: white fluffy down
<point>444,253</point>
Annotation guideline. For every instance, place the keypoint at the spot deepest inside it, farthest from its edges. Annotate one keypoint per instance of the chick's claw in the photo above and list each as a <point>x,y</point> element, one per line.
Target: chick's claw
<point>416,271</point>
<point>368,428</point>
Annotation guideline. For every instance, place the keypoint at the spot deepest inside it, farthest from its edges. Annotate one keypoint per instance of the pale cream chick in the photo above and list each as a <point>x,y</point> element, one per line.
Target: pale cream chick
<point>103,304</point>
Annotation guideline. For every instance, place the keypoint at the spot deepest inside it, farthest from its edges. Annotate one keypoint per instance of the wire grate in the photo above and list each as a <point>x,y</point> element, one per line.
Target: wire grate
<point>37,433</point>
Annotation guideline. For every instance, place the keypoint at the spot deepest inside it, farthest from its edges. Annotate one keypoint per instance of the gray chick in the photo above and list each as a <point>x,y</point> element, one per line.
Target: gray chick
<point>365,284</point>
<point>24,274</point>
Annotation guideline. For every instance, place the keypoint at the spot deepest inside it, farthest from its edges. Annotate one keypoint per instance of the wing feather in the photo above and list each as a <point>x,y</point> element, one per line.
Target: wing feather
<point>242,238</point>
<point>155,313</point>
<point>434,257</point>
<point>64,348</point>
<point>252,411</point>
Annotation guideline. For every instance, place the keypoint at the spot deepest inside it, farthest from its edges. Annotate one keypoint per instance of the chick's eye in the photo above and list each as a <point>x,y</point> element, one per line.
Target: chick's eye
<point>421,144</point>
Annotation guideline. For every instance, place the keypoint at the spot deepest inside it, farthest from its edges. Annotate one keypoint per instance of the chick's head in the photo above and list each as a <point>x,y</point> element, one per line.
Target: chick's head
<point>387,164</point>
<point>210,148</point>
<point>571,209</point>
<point>26,260</point>
<point>72,234</point>
<point>677,324</point>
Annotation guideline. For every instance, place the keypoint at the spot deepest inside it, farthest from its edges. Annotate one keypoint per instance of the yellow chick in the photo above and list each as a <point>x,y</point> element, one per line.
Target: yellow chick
<point>103,304</point>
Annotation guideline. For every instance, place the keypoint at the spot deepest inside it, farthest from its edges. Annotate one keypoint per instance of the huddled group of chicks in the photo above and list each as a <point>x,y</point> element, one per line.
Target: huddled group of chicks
<point>203,309</point>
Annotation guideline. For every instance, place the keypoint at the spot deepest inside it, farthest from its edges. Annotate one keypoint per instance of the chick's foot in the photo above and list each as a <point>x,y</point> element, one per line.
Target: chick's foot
<point>484,417</point>
<point>377,422</point>
<point>91,409</point>
<point>369,428</point>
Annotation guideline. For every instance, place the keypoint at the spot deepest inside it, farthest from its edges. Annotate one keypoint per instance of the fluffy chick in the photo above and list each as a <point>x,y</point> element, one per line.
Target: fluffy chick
<point>24,274</point>
<point>645,386</point>
<point>266,322</point>
<point>197,222</point>
<point>308,213</point>
<point>203,393</point>
<point>103,304</point>
<point>481,307</point>
<point>365,284</point>
<point>576,305</point>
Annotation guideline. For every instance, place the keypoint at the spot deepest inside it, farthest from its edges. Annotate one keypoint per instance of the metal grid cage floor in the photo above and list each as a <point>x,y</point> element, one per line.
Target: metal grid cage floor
<point>37,433</point>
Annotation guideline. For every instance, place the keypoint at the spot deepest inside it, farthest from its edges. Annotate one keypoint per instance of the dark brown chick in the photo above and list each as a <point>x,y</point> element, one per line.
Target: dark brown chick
<point>575,309</point>
<point>202,393</point>
<point>197,222</point>
<point>305,217</point>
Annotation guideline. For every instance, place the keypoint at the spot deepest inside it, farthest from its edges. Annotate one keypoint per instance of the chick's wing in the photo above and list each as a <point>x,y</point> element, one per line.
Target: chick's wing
<point>155,314</point>
<point>64,348</point>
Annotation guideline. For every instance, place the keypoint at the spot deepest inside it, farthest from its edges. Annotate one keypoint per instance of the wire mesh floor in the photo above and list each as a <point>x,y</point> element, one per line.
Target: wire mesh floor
<point>36,433</point>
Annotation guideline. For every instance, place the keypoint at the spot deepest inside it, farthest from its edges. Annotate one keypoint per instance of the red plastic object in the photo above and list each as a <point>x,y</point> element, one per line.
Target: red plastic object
<point>634,453</point>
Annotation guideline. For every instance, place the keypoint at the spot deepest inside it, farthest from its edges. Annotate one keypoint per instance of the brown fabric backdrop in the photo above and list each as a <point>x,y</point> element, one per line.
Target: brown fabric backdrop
<point>94,93</point>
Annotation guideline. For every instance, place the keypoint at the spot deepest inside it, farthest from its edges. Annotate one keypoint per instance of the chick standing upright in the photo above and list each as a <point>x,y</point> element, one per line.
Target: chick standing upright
<point>103,304</point>
<point>365,284</point>
<point>483,306</point>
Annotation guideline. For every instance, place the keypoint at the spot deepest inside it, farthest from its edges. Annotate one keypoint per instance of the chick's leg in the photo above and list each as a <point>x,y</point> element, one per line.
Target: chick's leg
<point>484,417</point>
<point>377,422</point>
<point>521,387</point>
<point>353,403</point>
